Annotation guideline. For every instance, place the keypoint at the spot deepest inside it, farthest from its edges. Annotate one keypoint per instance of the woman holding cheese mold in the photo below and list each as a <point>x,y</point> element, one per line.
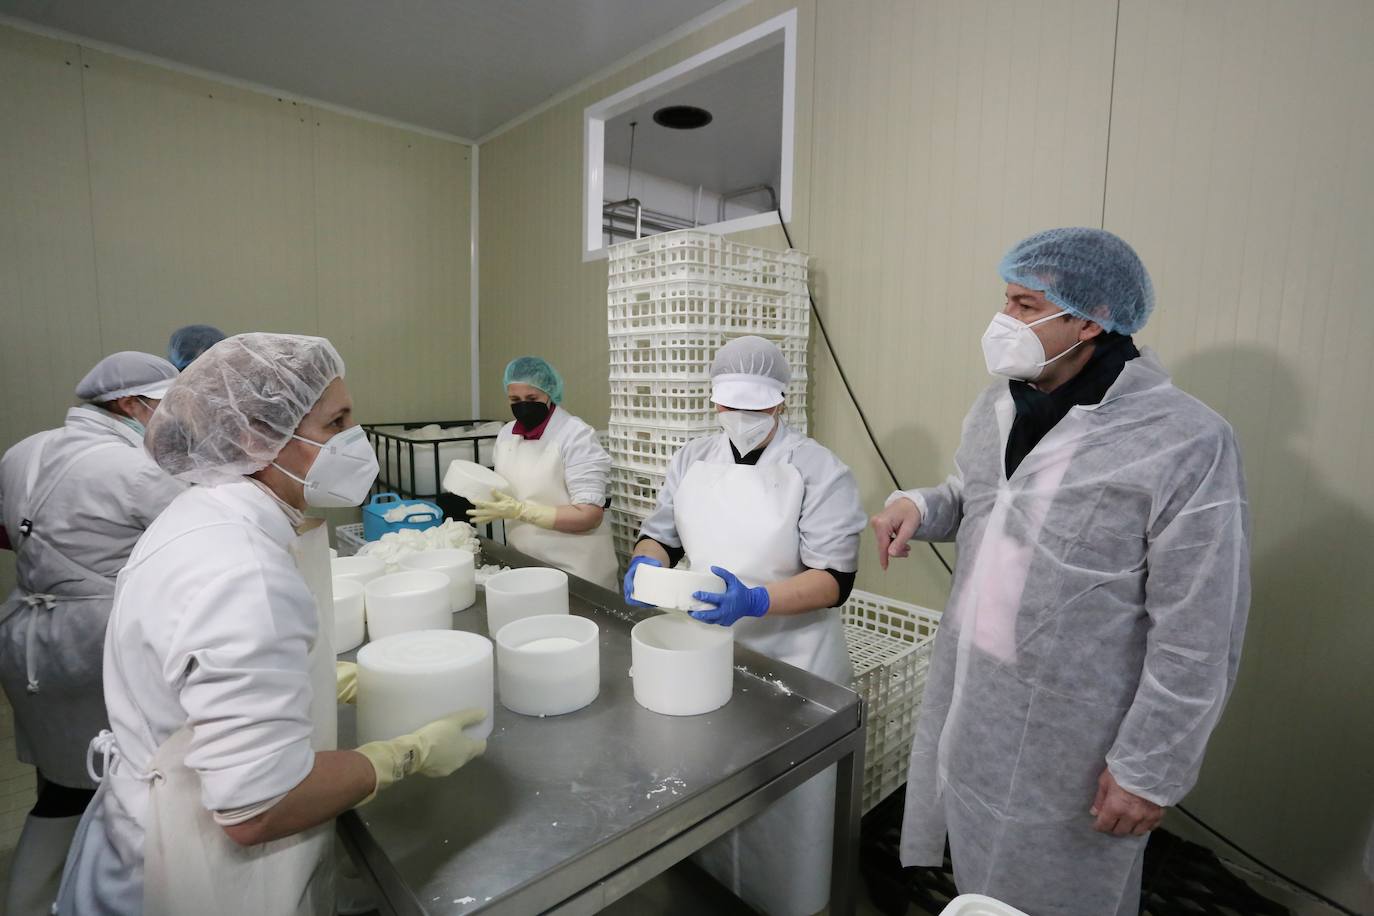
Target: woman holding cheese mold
<point>558,473</point>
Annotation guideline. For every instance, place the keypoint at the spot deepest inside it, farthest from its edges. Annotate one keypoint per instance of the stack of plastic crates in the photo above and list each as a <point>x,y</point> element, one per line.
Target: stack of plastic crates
<point>672,301</point>
<point>889,643</point>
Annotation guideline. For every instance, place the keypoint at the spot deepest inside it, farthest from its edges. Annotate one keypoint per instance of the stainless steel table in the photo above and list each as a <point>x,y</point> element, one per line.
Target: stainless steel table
<point>567,814</point>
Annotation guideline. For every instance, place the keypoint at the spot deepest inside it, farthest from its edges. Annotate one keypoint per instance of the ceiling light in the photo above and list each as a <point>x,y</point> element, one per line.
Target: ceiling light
<point>682,117</point>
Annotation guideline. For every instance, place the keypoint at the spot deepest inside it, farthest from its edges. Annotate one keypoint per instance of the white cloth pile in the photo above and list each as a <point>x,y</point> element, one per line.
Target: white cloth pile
<point>402,511</point>
<point>394,546</point>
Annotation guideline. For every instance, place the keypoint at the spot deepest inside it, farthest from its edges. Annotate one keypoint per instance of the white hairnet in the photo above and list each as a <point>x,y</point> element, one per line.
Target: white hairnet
<point>749,373</point>
<point>235,407</point>
<point>125,374</point>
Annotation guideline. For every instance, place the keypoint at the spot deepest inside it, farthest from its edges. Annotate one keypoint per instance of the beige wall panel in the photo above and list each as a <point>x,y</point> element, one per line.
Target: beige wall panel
<point>929,137</point>
<point>391,219</point>
<point>537,296</point>
<point>49,320</point>
<point>1240,168</point>
<point>134,200</point>
<point>202,200</point>
<point>943,132</point>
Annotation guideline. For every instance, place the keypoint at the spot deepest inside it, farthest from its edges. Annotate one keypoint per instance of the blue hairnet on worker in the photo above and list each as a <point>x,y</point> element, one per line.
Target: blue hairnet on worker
<point>536,372</point>
<point>1087,272</point>
<point>189,342</point>
<point>1094,627</point>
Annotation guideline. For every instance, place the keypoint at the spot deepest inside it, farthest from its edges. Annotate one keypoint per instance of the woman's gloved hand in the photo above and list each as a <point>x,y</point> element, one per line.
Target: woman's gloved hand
<point>738,600</point>
<point>629,587</point>
<point>346,677</point>
<point>436,749</point>
<point>504,506</point>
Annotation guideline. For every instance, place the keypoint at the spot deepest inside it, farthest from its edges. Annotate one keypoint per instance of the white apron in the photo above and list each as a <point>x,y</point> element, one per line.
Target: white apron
<point>747,520</point>
<point>535,471</point>
<point>189,863</point>
<point>52,633</point>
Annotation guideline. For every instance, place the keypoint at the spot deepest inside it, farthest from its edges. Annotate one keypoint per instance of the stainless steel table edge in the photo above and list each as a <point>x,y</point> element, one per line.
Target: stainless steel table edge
<point>709,814</point>
<point>847,753</point>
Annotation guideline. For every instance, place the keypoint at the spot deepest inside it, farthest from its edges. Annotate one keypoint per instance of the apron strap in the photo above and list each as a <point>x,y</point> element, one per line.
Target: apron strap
<point>34,501</point>
<point>106,746</point>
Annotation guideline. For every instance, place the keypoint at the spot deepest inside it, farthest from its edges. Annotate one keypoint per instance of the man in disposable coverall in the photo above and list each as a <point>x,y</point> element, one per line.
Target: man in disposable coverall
<point>1094,628</point>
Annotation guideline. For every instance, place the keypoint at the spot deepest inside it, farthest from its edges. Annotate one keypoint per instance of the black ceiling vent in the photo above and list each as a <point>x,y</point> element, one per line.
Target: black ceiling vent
<point>682,117</point>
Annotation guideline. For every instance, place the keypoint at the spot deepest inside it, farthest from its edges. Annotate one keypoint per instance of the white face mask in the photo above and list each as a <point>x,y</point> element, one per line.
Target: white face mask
<point>343,471</point>
<point>746,428</point>
<point>1012,350</point>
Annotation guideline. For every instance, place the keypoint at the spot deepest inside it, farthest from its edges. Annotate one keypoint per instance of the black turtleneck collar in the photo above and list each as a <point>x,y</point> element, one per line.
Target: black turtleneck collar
<point>1038,412</point>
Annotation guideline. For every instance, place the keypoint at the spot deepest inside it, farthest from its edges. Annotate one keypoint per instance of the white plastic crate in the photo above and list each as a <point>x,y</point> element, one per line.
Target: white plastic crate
<point>707,306</point>
<point>635,491</point>
<point>624,532</point>
<point>349,539</point>
<point>690,254</point>
<point>684,355</point>
<point>684,405</point>
<point>889,643</point>
<point>647,448</point>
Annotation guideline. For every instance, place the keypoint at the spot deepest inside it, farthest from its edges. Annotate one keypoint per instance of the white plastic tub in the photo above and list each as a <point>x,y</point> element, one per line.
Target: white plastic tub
<point>518,593</point>
<point>548,665</point>
<point>360,569</point>
<point>349,626</point>
<point>978,905</point>
<point>473,482</point>
<point>457,564</point>
<point>413,600</point>
<point>673,588</point>
<point>681,667</point>
<point>411,679</point>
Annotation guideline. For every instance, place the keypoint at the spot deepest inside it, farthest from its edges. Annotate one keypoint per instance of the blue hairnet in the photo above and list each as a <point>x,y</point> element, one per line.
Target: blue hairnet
<point>189,342</point>
<point>535,371</point>
<point>1086,272</point>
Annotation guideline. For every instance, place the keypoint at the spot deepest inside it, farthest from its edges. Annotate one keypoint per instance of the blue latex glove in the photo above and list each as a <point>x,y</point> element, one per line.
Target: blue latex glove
<point>739,600</point>
<point>629,588</point>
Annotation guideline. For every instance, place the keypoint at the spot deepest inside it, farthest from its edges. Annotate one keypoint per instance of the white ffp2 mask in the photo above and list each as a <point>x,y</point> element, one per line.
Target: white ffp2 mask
<point>1012,350</point>
<point>746,428</point>
<point>343,471</point>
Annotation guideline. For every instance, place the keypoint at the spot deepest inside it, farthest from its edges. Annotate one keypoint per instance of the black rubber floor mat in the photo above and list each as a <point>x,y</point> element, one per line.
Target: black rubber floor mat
<point>1180,878</point>
<point>1185,878</point>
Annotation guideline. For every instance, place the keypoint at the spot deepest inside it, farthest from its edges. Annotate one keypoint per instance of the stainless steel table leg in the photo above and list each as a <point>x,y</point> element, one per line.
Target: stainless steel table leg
<point>849,790</point>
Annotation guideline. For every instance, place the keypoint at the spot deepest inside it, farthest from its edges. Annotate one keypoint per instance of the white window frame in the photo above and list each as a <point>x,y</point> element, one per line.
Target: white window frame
<point>596,115</point>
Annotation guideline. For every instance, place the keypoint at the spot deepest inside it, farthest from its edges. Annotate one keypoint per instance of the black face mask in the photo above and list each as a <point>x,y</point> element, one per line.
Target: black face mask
<point>530,413</point>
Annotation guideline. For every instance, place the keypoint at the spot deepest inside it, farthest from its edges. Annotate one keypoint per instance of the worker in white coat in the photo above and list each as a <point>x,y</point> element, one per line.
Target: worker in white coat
<point>777,516</point>
<point>555,510</point>
<point>1095,624</point>
<point>218,784</point>
<point>74,500</point>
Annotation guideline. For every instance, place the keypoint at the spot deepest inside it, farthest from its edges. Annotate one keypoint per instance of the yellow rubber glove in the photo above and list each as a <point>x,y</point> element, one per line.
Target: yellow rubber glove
<point>436,749</point>
<point>346,676</point>
<point>504,506</point>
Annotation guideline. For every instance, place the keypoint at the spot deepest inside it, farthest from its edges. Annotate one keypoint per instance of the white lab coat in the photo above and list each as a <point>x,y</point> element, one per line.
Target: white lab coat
<point>108,492</point>
<point>1095,622</point>
<point>212,628</point>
